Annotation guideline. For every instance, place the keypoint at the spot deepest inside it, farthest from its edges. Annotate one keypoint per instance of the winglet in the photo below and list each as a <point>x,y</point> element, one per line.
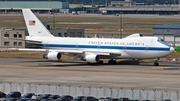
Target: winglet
<point>34,25</point>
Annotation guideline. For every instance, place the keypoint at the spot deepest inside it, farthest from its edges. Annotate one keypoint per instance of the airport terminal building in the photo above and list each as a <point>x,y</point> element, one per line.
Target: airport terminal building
<point>56,6</point>
<point>12,38</point>
<point>42,6</point>
<point>15,38</point>
<point>169,32</point>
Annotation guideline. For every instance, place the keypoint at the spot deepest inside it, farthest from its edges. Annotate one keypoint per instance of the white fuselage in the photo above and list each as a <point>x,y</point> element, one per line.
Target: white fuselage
<point>92,50</point>
<point>136,47</point>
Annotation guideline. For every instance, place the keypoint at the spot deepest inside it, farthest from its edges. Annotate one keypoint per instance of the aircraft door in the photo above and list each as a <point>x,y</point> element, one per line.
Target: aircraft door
<point>124,48</point>
<point>147,48</point>
<point>131,53</point>
<point>76,47</point>
<point>152,41</point>
<point>98,47</point>
<point>46,45</point>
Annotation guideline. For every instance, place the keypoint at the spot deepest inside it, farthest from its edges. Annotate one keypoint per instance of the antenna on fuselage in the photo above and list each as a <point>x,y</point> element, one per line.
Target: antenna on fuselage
<point>96,36</point>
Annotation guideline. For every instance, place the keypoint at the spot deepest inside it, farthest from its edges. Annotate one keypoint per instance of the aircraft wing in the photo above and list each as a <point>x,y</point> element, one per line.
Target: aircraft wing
<point>47,50</point>
<point>65,51</point>
<point>28,49</point>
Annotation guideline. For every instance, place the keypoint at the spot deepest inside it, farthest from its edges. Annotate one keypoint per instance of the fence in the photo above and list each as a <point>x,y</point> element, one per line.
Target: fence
<point>141,94</point>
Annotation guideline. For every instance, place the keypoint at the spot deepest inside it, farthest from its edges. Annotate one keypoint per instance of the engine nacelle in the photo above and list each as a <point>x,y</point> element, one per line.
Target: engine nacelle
<point>92,58</point>
<point>53,56</point>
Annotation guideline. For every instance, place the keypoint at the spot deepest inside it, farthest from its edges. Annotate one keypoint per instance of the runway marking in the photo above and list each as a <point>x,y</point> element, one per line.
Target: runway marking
<point>167,68</point>
<point>161,67</point>
<point>58,63</point>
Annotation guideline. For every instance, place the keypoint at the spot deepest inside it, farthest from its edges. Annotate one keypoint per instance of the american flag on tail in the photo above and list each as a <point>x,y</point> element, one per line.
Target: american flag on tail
<point>32,22</point>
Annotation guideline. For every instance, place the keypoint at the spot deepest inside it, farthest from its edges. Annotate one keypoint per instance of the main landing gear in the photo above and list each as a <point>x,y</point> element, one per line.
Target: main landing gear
<point>156,62</point>
<point>112,61</point>
<point>101,62</point>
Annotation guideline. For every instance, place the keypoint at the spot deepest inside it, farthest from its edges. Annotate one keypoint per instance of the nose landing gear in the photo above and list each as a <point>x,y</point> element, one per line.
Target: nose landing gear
<point>156,62</point>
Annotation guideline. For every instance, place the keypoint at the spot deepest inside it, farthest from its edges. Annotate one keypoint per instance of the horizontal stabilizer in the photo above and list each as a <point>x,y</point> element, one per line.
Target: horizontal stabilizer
<point>28,41</point>
<point>28,49</point>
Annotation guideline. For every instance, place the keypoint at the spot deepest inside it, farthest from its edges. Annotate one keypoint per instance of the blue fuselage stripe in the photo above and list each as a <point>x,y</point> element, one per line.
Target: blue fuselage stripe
<point>104,47</point>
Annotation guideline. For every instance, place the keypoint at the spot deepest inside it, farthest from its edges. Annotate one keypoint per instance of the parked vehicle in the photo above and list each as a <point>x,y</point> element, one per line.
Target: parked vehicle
<point>10,99</point>
<point>53,97</point>
<point>146,100</point>
<point>65,98</point>
<point>43,96</point>
<point>124,99</point>
<point>114,99</point>
<point>25,99</point>
<point>78,98</point>
<point>46,100</point>
<point>2,95</point>
<point>89,98</point>
<point>14,95</point>
<point>108,99</point>
<point>27,95</point>
<point>35,97</point>
<point>116,14</point>
<point>101,99</point>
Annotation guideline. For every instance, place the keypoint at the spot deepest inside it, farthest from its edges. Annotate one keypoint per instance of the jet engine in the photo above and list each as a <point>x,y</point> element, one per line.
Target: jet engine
<point>52,56</point>
<point>92,58</point>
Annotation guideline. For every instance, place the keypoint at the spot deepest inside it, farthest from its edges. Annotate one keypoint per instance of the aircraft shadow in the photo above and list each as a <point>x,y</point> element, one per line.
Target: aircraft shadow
<point>63,63</point>
<point>76,63</point>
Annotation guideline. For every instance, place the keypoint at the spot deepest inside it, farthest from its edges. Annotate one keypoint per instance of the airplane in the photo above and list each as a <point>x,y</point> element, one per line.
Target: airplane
<point>93,50</point>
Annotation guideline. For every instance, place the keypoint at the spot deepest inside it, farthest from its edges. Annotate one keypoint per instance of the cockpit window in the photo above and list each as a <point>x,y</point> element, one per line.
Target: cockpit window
<point>163,42</point>
<point>160,39</point>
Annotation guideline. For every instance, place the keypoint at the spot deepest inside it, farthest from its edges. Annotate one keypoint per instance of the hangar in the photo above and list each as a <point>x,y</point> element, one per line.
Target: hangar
<point>169,32</point>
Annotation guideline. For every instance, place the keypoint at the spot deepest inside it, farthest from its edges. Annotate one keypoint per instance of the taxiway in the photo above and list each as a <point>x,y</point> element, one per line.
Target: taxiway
<point>144,75</point>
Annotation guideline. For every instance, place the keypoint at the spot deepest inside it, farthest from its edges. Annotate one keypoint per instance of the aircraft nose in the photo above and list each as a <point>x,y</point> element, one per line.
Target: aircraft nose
<point>172,49</point>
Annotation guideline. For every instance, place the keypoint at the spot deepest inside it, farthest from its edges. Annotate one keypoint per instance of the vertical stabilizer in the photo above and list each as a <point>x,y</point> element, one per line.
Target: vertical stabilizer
<point>34,25</point>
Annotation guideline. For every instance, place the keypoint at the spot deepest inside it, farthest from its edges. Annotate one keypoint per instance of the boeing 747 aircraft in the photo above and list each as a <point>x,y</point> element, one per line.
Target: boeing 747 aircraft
<point>93,50</point>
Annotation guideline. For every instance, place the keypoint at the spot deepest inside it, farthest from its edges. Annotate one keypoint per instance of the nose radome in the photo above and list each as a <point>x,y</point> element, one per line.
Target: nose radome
<point>172,49</point>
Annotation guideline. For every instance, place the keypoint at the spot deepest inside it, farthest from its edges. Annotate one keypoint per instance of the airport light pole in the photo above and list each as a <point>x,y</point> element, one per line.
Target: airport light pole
<point>49,6</point>
<point>106,4</point>
<point>121,29</point>
<point>54,20</point>
<point>5,7</point>
<point>93,6</point>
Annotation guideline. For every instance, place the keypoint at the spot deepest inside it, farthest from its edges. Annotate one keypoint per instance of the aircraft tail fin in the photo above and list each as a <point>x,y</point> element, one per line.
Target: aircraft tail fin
<point>34,25</point>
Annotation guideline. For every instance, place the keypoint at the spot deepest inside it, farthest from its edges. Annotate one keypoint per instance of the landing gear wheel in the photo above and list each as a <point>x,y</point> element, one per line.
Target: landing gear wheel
<point>88,63</point>
<point>101,62</point>
<point>156,64</point>
<point>112,61</point>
